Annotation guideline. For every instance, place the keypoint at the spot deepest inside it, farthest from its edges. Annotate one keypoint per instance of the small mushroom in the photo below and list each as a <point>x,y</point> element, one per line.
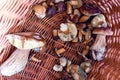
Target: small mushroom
<point>77,12</point>
<point>55,32</point>
<point>75,40</point>
<point>60,51</point>
<point>57,1</point>
<point>61,6</point>
<point>51,11</point>
<point>73,68</point>
<point>44,4</point>
<point>26,40</point>
<point>89,10</point>
<point>69,63</point>
<point>40,11</point>
<point>57,68</point>
<point>68,31</point>
<point>75,19</point>
<point>71,16</point>
<point>35,59</point>
<point>99,21</point>
<point>76,3</point>
<point>87,34</point>
<point>69,8</point>
<point>86,66</point>
<point>84,18</point>
<point>76,76</point>
<point>77,72</point>
<point>63,61</point>
<point>103,31</point>
<point>86,50</point>
<point>80,35</point>
<point>81,31</point>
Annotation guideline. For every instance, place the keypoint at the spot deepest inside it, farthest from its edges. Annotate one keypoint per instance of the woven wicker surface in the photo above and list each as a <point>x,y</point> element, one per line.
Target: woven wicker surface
<point>108,69</point>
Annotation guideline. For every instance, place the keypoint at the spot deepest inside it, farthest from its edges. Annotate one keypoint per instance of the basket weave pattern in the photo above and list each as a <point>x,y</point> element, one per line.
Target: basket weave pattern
<point>108,69</point>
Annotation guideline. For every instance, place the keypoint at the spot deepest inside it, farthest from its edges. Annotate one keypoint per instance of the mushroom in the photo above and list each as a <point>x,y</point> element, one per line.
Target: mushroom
<point>63,61</point>
<point>84,18</point>
<point>89,10</point>
<point>86,50</point>
<point>57,67</point>
<point>99,21</point>
<point>59,51</point>
<point>77,12</point>
<point>75,40</point>
<point>77,72</point>
<point>100,41</point>
<point>68,31</point>
<point>69,8</point>
<point>61,6</point>
<point>35,59</point>
<point>44,4</point>
<point>72,68</point>
<point>81,31</point>
<point>76,3</point>
<point>86,66</point>
<point>51,11</point>
<point>87,34</point>
<point>57,1</point>
<point>40,11</point>
<point>55,32</point>
<point>75,19</point>
<point>26,40</point>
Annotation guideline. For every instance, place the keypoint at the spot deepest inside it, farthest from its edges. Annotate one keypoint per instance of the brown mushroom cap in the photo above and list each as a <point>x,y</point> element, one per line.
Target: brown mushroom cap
<point>26,40</point>
<point>39,9</point>
<point>102,31</point>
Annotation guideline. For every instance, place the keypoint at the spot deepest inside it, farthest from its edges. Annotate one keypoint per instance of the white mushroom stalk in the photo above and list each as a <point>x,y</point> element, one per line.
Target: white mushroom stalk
<point>15,63</point>
<point>99,47</point>
<point>68,31</point>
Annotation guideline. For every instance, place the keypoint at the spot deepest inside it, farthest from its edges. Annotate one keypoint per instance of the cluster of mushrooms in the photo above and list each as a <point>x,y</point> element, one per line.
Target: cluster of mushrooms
<point>84,23</point>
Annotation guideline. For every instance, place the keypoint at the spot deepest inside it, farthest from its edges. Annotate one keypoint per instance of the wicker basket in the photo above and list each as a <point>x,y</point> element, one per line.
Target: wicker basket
<point>22,18</point>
